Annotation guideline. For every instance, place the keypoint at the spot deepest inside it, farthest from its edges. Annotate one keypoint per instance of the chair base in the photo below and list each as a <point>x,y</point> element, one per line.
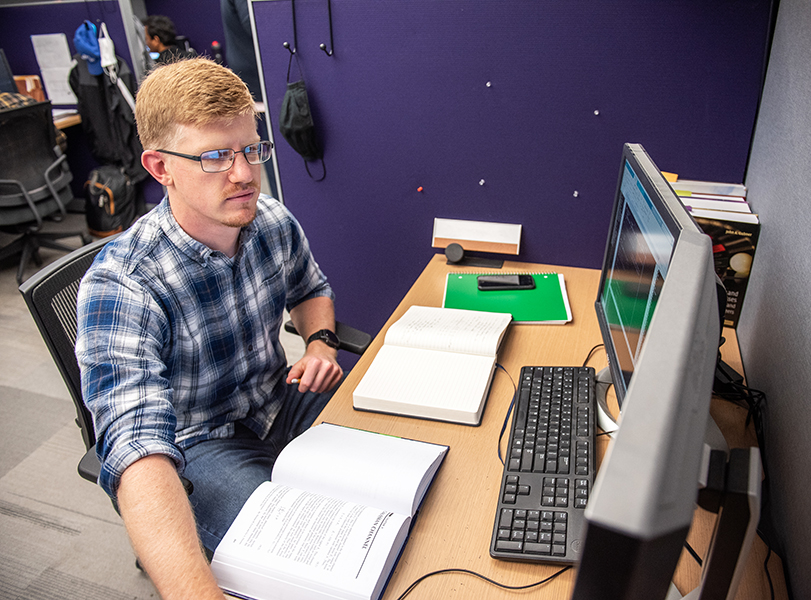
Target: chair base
<point>29,243</point>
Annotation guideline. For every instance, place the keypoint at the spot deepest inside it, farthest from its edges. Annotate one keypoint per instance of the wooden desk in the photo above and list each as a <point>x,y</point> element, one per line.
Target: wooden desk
<point>67,121</point>
<point>454,527</point>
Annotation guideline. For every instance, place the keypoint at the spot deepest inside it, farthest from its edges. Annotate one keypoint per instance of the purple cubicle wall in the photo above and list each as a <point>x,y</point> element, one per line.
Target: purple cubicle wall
<point>500,110</point>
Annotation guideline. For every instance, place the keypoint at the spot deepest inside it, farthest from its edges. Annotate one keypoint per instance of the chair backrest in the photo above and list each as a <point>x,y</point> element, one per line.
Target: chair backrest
<point>27,141</point>
<point>51,297</point>
<point>29,160</point>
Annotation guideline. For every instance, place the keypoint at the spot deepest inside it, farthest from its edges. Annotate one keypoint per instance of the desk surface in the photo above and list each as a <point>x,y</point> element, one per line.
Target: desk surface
<point>67,120</point>
<point>454,527</point>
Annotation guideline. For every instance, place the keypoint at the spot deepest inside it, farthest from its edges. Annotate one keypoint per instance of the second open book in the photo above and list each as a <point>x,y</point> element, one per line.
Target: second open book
<point>332,522</point>
<point>435,363</point>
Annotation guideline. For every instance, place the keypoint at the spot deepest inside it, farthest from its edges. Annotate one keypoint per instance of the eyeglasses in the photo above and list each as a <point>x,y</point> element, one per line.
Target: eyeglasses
<point>216,161</point>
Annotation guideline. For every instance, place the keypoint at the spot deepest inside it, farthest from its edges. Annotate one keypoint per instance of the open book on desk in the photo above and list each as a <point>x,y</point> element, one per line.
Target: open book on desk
<point>334,519</point>
<point>435,363</point>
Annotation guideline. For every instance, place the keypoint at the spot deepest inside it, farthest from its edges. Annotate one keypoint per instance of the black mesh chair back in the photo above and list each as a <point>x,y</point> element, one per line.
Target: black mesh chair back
<point>34,183</point>
<point>51,297</point>
<point>27,156</point>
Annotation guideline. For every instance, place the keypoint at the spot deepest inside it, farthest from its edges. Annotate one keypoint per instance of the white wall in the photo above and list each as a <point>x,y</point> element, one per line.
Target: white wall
<point>775,327</point>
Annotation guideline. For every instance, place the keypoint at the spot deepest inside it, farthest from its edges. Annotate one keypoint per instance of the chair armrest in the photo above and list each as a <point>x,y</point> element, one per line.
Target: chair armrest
<point>89,466</point>
<point>26,197</point>
<point>351,339</point>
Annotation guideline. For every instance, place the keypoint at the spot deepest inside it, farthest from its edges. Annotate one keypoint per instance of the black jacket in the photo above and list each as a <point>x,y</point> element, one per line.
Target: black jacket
<point>107,119</point>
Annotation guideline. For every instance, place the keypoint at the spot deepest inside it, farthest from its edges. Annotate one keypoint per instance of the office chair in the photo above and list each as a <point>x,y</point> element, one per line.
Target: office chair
<point>51,297</point>
<point>34,183</point>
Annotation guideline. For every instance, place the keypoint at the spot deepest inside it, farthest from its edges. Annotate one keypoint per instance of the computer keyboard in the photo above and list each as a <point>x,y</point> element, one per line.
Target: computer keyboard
<point>549,467</point>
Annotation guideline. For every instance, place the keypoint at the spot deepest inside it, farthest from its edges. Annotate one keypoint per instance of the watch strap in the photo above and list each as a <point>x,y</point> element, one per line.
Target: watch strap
<point>325,335</point>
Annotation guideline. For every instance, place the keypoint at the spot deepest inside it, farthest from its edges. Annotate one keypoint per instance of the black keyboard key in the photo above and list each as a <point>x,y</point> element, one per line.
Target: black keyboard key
<point>538,548</point>
<point>509,545</point>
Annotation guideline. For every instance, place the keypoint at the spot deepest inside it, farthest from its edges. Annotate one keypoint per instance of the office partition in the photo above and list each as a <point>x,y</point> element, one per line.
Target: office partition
<point>510,111</point>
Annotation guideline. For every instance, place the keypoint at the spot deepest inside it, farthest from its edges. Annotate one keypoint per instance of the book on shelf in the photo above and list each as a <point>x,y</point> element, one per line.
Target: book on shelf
<point>724,215</point>
<point>722,212</point>
<point>435,363</point>
<point>545,304</point>
<point>332,521</point>
<point>686,187</point>
<point>734,240</point>
<point>703,203</point>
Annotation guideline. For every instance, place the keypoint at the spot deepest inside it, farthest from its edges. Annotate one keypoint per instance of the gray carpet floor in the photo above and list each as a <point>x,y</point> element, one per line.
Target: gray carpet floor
<point>59,535</point>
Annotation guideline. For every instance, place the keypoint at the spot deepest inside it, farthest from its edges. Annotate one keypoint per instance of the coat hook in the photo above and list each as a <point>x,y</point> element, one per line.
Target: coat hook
<point>331,50</point>
<point>295,33</point>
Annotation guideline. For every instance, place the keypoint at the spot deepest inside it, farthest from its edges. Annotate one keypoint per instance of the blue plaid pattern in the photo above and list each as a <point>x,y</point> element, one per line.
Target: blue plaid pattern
<point>177,342</point>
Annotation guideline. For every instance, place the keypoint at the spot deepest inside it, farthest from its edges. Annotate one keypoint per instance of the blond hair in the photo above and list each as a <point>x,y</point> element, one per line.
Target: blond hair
<point>195,92</point>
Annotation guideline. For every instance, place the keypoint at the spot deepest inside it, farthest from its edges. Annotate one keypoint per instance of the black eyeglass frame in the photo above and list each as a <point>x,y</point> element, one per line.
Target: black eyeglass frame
<point>244,152</point>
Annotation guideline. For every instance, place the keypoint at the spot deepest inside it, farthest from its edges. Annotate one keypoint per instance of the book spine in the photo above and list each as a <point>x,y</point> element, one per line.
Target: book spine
<point>734,245</point>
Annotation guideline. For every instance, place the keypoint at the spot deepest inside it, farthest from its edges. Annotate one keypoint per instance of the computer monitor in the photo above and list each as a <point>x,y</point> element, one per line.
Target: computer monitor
<point>657,307</point>
<point>6,76</point>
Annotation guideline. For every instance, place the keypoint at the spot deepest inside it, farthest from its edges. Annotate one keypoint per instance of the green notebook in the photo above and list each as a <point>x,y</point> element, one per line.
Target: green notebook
<point>547,303</point>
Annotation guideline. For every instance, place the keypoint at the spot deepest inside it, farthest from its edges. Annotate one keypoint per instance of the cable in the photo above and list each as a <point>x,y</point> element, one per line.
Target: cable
<point>766,568</point>
<point>591,353</point>
<point>693,553</point>
<point>482,577</point>
<point>509,412</point>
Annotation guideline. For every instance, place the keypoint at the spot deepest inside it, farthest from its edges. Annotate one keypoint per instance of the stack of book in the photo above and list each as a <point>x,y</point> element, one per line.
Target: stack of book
<point>722,211</point>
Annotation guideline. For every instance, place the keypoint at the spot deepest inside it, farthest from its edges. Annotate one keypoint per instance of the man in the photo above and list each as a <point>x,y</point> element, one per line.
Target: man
<point>161,37</point>
<point>178,324</point>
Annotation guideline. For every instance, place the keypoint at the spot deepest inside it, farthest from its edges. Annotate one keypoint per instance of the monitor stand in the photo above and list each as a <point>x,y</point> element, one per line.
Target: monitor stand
<point>605,420</point>
<point>738,509</point>
<point>609,424</point>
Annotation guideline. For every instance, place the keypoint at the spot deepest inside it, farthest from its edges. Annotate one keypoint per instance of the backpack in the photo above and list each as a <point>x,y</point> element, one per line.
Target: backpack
<point>110,201</point>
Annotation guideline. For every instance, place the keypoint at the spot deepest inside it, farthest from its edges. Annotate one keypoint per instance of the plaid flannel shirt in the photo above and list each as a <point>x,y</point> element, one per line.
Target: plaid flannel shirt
<point>177,342</point>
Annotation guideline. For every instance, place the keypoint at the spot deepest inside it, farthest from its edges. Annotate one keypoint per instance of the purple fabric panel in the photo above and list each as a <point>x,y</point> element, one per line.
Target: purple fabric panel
<point>501,110</point>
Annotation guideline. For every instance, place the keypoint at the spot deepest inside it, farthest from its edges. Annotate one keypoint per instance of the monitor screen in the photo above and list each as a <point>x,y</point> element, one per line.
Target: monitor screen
<point>658,311</point>
<point>6,76</point>
<point>637,256</point>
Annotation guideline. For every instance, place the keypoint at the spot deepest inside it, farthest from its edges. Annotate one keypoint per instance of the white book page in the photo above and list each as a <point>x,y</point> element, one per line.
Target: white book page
<point>361,466</point>
<point>299,545</point>
<point>426,383</point>
<point>449,330</point>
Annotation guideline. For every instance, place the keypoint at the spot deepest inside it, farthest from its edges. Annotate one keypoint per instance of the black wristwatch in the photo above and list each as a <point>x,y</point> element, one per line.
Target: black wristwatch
<point>326,336</point>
